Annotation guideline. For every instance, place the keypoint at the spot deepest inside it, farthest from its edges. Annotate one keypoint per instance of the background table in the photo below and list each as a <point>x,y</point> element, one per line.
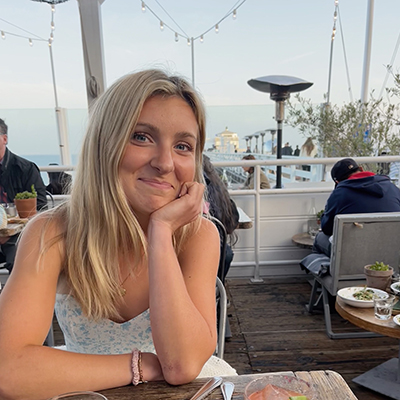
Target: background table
<point>303,240</point>
<point>14,226</point>
<point>384,378</point>
<point>245,221</point>
<point>329,385</point>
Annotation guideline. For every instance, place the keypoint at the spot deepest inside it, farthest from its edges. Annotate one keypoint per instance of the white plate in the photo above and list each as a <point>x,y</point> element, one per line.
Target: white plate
<point>393,287</point>
<point>346,294</point>
<point>396,319</point>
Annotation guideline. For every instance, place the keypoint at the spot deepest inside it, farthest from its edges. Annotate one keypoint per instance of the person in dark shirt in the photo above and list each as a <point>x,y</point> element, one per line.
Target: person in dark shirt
<point>59,182</point>
<point>296,151</point>
<point>287,150</point>
<point>16,175</point>
<point>356,191</point>
<point>222,207</point>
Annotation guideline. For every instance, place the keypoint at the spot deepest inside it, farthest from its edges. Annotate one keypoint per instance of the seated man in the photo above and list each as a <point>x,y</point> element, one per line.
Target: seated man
<point>356,191</point>
<point>16,175</point>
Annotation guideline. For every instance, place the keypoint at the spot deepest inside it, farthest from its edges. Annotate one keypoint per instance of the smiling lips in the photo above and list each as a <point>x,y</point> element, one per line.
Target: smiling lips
<point>162,185</point>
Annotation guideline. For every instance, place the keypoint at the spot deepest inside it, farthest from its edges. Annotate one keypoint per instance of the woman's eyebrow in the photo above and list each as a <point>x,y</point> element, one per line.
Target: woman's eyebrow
<point>147,125</point>
<point>179,135</point>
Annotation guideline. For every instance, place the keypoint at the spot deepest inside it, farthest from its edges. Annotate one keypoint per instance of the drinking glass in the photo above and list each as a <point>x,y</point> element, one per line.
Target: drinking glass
<point>80,396</point>
<point>383,307</point>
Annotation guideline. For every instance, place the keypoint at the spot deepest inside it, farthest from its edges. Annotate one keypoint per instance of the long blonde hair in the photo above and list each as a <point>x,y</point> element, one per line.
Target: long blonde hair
<point>100,227</point>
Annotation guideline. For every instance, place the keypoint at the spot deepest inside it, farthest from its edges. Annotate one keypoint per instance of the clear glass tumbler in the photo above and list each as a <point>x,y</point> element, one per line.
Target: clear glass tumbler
<point>383,307</point>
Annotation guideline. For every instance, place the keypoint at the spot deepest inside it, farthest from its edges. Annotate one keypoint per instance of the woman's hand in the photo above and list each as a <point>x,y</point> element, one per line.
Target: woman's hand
<point>183,210</point>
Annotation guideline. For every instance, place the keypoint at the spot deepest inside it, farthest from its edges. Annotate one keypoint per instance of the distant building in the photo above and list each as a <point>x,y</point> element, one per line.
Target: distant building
<point>226,141</point>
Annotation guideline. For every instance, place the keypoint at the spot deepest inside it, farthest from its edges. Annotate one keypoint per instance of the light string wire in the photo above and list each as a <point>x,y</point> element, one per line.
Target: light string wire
<point>345,55</point>
<point>232,9</point>
<point>33,36</point>
<point>389,68</point>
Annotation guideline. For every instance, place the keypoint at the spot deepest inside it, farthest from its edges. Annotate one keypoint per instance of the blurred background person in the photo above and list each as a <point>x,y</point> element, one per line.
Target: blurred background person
<point>249,183</point>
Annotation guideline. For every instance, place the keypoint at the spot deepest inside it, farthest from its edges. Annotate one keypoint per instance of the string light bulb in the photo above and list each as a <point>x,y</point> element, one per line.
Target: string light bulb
<point>216,28</point>
<point>49,42</point>
<point>30,42</point>
<point>143,6</point>
<point>234,14</point>
<point>201,39</point>
<point>51,37</point>
<point>52,26</point>
<point>53,9</point>
<point>161,25</point>
<point>3,36</point>
<point>176,37</point>
<point>188,41</point>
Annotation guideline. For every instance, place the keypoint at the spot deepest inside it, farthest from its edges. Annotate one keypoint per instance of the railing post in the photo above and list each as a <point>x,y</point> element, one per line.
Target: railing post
<point>256,277</point>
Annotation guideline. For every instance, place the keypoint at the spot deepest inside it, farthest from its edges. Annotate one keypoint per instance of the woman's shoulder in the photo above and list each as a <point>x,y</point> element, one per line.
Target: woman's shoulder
<point>48,223</point>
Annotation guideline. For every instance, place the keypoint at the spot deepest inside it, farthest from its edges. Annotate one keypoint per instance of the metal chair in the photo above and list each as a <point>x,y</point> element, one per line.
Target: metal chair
<point>358,240</point>
<point>223,241</point>
<point>222,317</point>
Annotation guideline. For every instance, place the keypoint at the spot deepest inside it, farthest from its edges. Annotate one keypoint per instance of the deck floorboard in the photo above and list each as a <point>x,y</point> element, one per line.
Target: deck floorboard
<point>272,331</point>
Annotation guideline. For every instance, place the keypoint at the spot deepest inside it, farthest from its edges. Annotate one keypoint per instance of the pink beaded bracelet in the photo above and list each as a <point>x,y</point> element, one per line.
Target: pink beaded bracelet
<point>137,374</point>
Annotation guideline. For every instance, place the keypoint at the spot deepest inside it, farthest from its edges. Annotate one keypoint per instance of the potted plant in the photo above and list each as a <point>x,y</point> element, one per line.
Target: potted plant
<point>319,215</point>
<point>25,202</point>
<point>379,275</point>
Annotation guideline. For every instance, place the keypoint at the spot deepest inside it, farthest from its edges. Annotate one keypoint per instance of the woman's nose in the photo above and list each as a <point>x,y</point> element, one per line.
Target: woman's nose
<point>163,161</point>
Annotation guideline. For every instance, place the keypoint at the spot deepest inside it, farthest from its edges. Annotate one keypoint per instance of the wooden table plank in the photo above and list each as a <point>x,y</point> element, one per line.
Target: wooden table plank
<point>329,385</point>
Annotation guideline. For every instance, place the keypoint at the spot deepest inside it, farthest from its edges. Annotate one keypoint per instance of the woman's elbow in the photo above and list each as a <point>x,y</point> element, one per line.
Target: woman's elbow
<point>8,387</point>
<point>181,374</point>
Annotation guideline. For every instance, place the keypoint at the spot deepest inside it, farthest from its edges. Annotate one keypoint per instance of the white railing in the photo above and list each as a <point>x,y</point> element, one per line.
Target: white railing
<point>251,200</point>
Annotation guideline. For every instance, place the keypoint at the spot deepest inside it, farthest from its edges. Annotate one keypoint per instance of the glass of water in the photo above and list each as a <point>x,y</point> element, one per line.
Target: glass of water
<point>80,396</point>
<point>384,307</point>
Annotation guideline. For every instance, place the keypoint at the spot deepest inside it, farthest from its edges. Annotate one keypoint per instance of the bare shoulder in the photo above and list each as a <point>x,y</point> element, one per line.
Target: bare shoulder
<point>207,231</point>
<point>46,223</point>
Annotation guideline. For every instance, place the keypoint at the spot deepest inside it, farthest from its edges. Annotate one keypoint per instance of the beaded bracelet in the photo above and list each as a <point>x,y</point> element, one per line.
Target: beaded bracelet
<point>137,373</point>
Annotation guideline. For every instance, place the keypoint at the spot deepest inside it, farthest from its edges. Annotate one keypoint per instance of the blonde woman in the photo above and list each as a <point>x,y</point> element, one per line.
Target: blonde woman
<point>129,263</point>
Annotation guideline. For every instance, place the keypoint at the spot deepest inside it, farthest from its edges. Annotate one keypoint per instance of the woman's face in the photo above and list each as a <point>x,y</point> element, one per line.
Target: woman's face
<point>160,155</point>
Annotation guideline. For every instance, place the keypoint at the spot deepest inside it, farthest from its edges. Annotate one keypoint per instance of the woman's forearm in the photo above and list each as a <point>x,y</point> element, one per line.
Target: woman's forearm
<point>182,337</point>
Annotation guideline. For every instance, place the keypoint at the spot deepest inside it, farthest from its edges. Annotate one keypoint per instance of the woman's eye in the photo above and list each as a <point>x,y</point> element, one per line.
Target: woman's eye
<point>184,147</point>
<point>139,137</point>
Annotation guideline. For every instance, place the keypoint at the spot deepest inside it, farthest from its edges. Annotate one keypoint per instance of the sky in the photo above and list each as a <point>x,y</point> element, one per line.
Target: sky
<point>268,37</point>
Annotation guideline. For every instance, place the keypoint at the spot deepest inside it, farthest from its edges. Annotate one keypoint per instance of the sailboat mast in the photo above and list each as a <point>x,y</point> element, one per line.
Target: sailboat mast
<point>367,52</point>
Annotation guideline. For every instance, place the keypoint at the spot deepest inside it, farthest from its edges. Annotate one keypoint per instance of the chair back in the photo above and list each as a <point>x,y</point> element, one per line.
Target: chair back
<point>359,240</point>
<point>223,241</point>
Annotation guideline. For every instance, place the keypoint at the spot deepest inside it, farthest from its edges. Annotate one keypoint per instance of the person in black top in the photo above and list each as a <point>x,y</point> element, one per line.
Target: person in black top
<point>16,175</point>
<point>222,207</point>
<point>59,182</point>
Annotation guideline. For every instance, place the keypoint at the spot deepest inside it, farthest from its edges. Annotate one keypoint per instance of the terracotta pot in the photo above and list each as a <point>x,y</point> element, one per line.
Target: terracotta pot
<point>26,207</point>
<point>378,279</point>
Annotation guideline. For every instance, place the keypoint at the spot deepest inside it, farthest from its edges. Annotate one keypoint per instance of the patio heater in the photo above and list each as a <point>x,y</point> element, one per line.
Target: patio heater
<point>279,87</point>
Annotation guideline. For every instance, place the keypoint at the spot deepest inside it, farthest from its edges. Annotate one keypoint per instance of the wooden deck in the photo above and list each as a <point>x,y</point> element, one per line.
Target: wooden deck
<point>271,331</point>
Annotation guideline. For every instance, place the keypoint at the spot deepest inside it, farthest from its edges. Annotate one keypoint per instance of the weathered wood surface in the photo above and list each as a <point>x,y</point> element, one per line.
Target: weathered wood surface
<point>365,319</point>
<point>303,240</point>
<point>328,385</point>
<point>245,221</point>
<point>15,225</point>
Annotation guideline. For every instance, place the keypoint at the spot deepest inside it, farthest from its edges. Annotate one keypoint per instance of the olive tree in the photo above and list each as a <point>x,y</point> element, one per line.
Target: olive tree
<point>351,130</point>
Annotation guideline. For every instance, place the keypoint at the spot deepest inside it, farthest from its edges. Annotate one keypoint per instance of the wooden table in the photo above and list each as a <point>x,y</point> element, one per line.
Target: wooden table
<point>14,226</point>
<point>329,385</point>
<point>245,221</point>
<point>303,240</point>
<point>384,378</point>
